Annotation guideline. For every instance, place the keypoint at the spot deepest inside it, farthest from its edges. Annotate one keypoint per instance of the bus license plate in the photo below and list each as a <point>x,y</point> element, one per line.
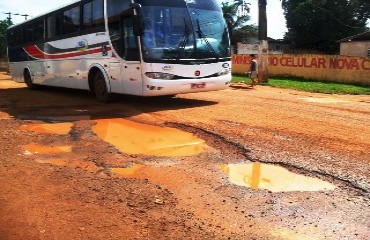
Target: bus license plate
<point>198,85</point>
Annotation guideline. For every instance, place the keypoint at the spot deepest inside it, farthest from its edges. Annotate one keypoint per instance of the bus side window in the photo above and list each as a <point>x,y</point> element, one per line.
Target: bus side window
<point>18,36</point>
<point>93,15</point>
<point>39,30</point>
<point>53,26</point>
<point>115,9</point>
<point>116,38</point>
<point>28,34</point>
<point>130,40</point>
<point>71,20</point>
<point>87,16</point>
<point>98,13</point>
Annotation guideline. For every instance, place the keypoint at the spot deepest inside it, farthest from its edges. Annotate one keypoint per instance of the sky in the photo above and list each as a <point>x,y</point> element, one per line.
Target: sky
<point>275,19</point>
<point>276,25</point>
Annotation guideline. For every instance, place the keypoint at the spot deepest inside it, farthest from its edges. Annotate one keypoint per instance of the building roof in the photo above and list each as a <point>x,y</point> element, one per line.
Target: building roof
<point>358,37</point>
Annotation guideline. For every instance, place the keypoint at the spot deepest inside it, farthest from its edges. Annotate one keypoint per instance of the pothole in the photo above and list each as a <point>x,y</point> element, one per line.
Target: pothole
<point>217,141</point>
<point>272,178</point>
<point>35,148</point>
<point>136,138</point>
<point>54,128</point>
<point>228,146</point>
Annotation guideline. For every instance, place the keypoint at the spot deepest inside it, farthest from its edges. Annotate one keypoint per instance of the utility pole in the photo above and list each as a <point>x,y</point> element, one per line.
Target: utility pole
<point>22,15</point>
<point>9,16</point>
<point>263,44</point>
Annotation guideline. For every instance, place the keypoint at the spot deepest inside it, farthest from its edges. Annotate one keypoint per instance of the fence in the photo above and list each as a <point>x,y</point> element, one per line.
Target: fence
<point>333,68</point>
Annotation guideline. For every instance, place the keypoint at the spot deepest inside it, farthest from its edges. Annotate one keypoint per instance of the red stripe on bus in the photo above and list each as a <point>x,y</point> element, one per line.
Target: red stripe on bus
<point>35,52</point>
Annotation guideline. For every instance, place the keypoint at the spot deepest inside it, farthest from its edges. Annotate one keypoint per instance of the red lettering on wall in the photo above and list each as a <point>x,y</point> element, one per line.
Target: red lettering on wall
<point>332,63</point>
<point>237,59</point>
<point>348,64</point>
<point>319,62</point>
<point>366,64</point>
<point>283,61</point>
<point>294,62</point>
<point>314,62</point>
<point>274,61</point>
<point>354,64</point>
<point>301,62</point>
<point>247,60</point>
<point>289,61</point>
<point>336,63</point>
<point>322,63</point>
<point>305,63</point>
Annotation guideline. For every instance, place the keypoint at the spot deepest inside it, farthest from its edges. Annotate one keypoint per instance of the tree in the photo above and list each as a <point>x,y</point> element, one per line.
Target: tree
<point>245,32</point>
<point>235,21</point>
<point>316,25</point>
<point>4,24</point>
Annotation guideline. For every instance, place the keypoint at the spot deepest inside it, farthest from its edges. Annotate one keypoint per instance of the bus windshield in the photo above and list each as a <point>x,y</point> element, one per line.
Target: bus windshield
<point>183,30</point>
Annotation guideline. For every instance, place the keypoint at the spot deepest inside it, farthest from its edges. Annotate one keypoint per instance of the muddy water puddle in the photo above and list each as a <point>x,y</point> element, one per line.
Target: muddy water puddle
<point>52,155</point>
<point>35,148</point>
<point>52,128</point>
<point>137,138</point>
<point>272,178</point>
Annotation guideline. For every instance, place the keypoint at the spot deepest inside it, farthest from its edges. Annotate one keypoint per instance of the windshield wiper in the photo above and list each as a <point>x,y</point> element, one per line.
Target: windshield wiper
<point>202,36</point>
<point>181,47</point>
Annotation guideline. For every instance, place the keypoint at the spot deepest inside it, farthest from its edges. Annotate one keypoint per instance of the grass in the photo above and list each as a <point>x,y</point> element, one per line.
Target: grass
<point>310,86</point>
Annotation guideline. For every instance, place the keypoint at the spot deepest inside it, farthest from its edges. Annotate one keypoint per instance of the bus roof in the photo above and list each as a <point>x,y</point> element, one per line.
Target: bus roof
<point>45,13</point>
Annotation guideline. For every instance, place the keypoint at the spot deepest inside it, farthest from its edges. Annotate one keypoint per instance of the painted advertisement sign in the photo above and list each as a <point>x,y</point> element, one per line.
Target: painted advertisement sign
<point>318,67</point>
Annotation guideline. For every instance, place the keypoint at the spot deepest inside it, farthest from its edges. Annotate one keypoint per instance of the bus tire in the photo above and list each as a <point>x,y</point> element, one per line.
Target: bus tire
<point>101,89</point>
<point>28,80</point>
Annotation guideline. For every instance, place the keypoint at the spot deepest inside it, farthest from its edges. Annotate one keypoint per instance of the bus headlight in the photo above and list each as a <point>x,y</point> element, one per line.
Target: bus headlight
<point>224,72</point>
<point>159,75</point>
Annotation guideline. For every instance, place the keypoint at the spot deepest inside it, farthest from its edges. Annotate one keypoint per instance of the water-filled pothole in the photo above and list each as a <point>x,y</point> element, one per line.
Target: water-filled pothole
<point>35,148</point>
<point>272,178</point>
<point>52,128</point>
<point>137,138</point>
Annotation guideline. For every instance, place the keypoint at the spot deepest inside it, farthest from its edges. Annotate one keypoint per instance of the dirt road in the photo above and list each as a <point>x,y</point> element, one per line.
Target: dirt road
<point>241,163</point>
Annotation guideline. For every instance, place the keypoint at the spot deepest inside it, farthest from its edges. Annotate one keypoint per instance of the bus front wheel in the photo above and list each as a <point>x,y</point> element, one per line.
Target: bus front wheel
<point>101,89</point>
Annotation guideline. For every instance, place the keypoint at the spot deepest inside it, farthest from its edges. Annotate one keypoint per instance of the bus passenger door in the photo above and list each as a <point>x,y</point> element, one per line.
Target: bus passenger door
<point>126,46</point>
<point>131,71</point>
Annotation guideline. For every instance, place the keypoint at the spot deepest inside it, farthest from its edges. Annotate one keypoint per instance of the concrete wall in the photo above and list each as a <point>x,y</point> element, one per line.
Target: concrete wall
<point>331,68</point>
<point>355,48</point>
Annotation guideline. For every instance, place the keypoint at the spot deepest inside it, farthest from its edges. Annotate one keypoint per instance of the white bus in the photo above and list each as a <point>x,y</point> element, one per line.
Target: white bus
<point>135,47</point>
